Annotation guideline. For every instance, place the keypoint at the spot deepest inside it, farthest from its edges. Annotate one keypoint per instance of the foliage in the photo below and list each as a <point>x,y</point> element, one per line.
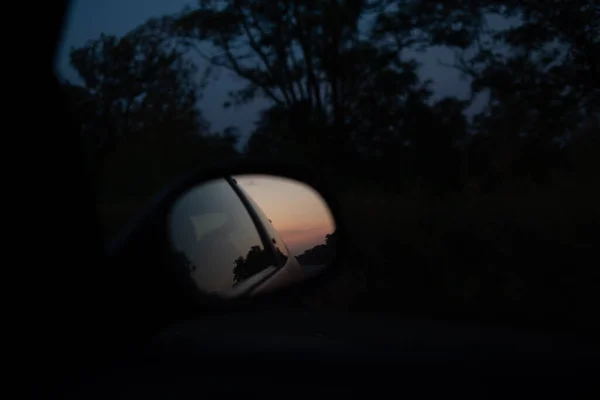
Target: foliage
<point>537,70</point>
<point>321,254</point>
<point>333,99</point>
<point>255,261</point>
<point>138,116</point>
<point>464,194</point>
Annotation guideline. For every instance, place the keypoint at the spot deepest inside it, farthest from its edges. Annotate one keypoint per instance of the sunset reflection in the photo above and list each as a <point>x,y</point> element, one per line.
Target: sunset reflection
<point>296,210</point>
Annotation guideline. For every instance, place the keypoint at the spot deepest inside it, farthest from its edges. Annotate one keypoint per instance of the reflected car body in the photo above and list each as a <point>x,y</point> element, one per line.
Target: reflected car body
<point>290,273</point>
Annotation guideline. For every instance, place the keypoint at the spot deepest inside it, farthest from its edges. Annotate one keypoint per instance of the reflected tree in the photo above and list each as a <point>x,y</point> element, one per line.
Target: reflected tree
<point>321,253</point>
<point>331,239</point>
<point>255,261</point>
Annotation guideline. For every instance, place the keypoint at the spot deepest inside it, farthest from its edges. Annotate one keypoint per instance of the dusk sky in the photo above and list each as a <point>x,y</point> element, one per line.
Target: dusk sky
<point>296,210</point>
<point>90,18</point>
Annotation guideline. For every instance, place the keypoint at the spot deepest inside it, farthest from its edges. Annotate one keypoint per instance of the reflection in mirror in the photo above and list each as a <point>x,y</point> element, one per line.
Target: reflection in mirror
<point>210,229</point>
<point>233,235</point>
<point>297,216</point>
<point>252,264</point>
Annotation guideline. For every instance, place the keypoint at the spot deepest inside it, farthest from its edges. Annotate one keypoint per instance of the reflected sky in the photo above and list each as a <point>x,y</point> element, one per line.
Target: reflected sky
<point>296,210</point>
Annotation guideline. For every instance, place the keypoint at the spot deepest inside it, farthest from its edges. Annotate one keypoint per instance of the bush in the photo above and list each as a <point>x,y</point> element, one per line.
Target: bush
<point>527,253</point>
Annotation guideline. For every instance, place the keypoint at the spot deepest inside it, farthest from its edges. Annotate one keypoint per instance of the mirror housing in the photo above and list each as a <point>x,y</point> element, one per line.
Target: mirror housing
<point>135,252</point>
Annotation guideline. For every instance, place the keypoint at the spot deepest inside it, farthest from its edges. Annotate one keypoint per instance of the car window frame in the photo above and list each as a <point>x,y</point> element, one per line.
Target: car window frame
<point>263,232</point>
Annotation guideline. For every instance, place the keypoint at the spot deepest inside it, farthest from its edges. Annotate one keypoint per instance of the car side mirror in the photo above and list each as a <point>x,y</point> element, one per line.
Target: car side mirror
<point>234,232</point>
<point>248,234</point>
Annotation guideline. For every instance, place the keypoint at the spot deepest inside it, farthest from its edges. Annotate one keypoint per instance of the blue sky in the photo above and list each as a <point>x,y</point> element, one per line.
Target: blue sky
<point>90,18</point>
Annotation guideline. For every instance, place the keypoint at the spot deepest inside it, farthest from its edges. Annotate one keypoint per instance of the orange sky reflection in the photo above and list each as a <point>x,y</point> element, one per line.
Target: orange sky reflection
<point>297,211</point>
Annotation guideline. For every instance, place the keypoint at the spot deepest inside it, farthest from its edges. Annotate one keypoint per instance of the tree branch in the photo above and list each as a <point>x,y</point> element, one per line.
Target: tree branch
<point>256,47</point>
<point>233,66</point>
<point>280,48</point>
<point>305,46</point>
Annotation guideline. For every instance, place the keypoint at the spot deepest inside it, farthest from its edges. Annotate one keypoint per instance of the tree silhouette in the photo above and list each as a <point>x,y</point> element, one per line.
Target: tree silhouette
<point>538,73</point>
<point>133,87</point>
<point>137,112</point>
<point>255,261</point>
<point>344,92</point>
<point>320,254</point>
<point>342,88</point>
<point>337,92</point>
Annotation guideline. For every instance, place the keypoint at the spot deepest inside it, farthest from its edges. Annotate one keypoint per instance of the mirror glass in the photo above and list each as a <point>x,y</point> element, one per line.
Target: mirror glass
<point>240,234</point>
